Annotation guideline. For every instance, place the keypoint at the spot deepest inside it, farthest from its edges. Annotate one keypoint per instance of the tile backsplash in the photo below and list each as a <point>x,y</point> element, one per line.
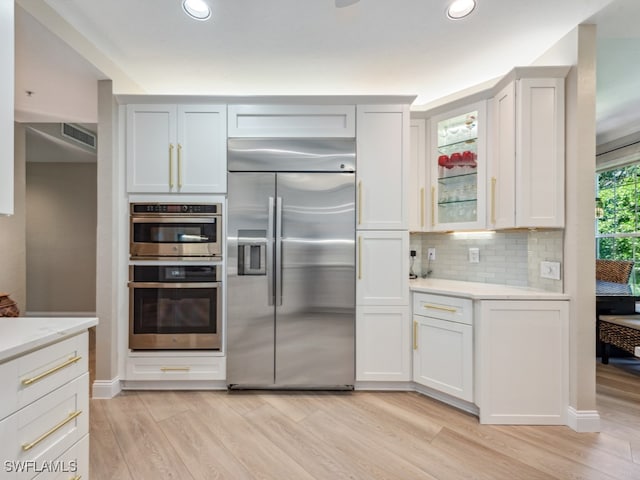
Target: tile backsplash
<point>509,258</point>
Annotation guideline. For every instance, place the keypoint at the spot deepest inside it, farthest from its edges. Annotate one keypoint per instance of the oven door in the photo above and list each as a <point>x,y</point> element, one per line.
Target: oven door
<point>175,315</point>
<point>175,236</point>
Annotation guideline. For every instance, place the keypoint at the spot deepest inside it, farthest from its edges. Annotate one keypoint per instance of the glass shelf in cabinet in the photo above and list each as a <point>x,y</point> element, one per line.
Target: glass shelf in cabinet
<point>458,202</point>
<point>460,176</point>
<point>453,146</point>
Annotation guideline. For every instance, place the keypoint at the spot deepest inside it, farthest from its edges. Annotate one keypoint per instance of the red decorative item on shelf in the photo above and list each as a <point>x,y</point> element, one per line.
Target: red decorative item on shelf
<point>456,158</point>
<point>468,156</point>
<point>8,307</point>
<point>443,160</point>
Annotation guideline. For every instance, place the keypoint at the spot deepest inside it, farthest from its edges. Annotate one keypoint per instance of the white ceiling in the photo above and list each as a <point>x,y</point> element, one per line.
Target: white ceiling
<point>307,47</point>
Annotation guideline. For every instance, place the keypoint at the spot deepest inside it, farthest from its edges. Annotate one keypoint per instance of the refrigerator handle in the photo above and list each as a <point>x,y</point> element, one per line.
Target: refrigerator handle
<point>269,272</point>
<point>278,262</point>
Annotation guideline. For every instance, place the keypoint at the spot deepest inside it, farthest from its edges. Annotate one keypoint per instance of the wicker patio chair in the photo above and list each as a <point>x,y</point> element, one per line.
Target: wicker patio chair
<point>616,271</point>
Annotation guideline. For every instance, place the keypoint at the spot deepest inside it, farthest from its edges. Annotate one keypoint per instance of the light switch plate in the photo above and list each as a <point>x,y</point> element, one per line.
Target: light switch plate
<point>474,255</point>
<point>431,253</point>
<point>550,270</point>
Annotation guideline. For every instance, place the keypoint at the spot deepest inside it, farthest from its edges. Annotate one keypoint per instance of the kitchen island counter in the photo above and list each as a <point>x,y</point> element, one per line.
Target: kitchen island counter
<point>19,335</point>
<point>481,291</point>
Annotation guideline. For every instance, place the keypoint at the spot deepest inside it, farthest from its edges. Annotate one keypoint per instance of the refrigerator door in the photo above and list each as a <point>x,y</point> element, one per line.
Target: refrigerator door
<point>315,279</point>
<point>250,294</point>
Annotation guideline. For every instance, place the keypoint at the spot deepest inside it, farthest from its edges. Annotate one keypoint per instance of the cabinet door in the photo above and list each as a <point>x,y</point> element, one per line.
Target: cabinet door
<point>383,268</point>
<point>383,157</point>
<point>443,356</point>
<point>540,153</point>
<point>458,167</point>
<point>383,344</point>
<point>417,176</point>
<point>151,148</point>
<point>202,149</point>
<point>522,362</point>
<point>501,209</point>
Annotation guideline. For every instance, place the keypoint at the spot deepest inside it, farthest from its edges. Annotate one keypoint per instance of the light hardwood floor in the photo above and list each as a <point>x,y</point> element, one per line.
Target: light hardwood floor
<point>359,435</point>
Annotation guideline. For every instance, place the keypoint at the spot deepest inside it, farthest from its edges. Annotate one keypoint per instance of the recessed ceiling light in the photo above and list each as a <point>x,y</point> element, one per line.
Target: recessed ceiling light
<point>460,9</point>
<point>197,9</point>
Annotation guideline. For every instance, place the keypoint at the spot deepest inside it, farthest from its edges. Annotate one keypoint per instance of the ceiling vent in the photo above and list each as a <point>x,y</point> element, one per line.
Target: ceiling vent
<point>80,135</point>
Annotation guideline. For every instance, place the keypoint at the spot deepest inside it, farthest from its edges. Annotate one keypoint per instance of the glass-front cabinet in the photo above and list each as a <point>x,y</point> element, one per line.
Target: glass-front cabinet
<point>458,168</point>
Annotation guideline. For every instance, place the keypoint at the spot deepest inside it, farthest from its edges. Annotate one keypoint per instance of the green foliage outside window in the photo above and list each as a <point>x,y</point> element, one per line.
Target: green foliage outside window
<point>618,231</point>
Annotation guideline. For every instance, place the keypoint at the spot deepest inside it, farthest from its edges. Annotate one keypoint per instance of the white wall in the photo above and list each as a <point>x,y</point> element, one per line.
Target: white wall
<point>61,237</point>
<point>12,230</point>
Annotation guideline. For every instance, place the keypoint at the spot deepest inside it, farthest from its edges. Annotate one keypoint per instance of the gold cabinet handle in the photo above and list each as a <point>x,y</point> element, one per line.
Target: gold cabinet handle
<point>175,369</point>
<point>428,306</point>
<point>29,446</point>
<point>360,202</point>
<point>433,206</point>
<point>493,200</point>
<point>359,257</point>
<point>77,477</point>
<point>179,165</point>
<point>29,381</point>
<point>415,335</point>
<point>422,207</point>
<point>171,165</point>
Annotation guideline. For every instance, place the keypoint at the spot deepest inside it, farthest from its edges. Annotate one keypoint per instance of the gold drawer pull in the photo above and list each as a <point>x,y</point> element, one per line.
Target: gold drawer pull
<point>171,147</point>
<point>179,165</point>
<point>415,335</point>
<point>175,369</point>
<point>29,381</point>
<point>77,477</point>
<point>29,446</point>
<point>438,307</point>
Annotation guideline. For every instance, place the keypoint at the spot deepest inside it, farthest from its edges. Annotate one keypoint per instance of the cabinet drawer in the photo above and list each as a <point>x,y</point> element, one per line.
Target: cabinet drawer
<point>30,377</point>
<point>39,433</point>
<point>71,465</point>
<point>453,309</point>
<point>176,368</point>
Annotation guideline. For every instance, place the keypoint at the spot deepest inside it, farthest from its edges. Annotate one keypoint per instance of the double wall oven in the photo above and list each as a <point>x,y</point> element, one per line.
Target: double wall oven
<point>175,276</point>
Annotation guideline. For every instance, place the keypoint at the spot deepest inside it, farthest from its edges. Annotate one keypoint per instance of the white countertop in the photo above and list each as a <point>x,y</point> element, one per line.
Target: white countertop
<point>481,291</point>
<point>19,335</point>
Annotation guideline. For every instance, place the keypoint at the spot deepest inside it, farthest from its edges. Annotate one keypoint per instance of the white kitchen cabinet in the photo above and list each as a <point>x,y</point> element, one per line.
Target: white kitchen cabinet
<point>443,344</point>
<point>176,148</point>
<point>382,268</point>
<point>522,361</point>
<point>526,171</point>
<point>383,344</point>
<point>418,181</point>
<point>175,366</point>
<point>7,95</point>
<point>382,162</point>
<point>44,408</point>
<point>458,164</point>
<point>292,121</point>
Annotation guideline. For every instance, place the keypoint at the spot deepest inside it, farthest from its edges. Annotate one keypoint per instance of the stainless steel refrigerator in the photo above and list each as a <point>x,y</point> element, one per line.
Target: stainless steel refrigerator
<point>291,263</point>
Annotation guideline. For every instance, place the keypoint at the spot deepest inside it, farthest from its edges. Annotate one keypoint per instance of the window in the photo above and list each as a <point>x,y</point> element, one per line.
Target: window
<point>618,230</point>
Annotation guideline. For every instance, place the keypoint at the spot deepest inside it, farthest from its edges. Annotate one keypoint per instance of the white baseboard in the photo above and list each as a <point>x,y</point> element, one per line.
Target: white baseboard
<point>583,420</point>
<point>174,385</point>
<point>385,386</point>
<point>105,389</point>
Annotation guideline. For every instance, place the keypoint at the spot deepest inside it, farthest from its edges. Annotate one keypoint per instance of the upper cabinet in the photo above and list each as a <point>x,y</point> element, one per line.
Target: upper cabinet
<point>6,107</point>
<point>292,121</point>
<point>526,151</point>
<point>382,160</point>
<point>176,148</point>
<point>457,162</point>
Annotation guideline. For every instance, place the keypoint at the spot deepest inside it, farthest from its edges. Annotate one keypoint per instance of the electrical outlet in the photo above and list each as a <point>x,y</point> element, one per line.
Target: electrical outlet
<point>550,270</point>
<point>474,255</point>
<point>431,253</point>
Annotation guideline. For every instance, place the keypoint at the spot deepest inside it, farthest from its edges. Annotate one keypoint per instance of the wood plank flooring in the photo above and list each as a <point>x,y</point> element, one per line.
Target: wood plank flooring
<point>358,435</point>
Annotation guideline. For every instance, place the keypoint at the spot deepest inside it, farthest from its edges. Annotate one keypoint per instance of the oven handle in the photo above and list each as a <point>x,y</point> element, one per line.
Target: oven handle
<point>174,219</point>
<point>174,285</point>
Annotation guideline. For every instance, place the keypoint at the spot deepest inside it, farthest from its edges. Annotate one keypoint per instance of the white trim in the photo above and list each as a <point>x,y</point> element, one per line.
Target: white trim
<point>583,420</point>
<point>385,386</point>
<point>106,389</point>
<point>175,385</point>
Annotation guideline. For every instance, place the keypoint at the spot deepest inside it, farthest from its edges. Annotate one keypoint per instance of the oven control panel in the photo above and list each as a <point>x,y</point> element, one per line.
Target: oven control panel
<point>176,208</point>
